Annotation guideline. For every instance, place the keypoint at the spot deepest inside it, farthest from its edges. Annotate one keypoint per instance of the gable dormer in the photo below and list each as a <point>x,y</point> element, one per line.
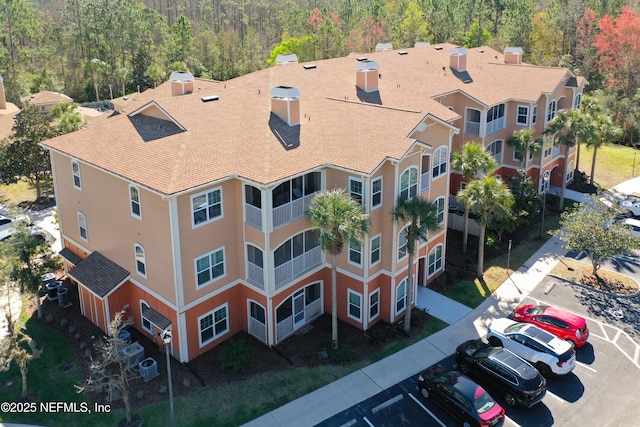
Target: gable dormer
<point>285,103</point>
<point>181,83</point>
<point>367,75</point>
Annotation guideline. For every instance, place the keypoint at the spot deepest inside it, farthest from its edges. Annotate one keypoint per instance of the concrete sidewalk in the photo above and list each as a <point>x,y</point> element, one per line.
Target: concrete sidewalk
<point>465,324</point>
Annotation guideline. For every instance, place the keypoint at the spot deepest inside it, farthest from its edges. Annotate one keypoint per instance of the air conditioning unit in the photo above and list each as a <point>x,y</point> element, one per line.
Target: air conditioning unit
<point>133,354</point>
<point>148,369</point>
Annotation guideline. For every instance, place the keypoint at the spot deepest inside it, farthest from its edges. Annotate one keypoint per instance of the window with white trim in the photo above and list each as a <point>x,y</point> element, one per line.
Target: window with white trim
<point>82,226</point>
<point>355,305</point>
<point>551,110</point>
<point>134,199</point>
<point>141,261</point>
<point>402,243</point>
<point>375,249</point>
<point>212,325</point>
<point>374,304</point>
<point>495,148</point>
<point>206,207</point>
<point>440,159</point>
<point>534,115</point>
<point>254,256</point>
<point>376,193</point>
<point>547,146</point>
<point>570,170</point>
<point>495,119</point>
<point>355,252</point>
<point>440,205</point>
<point>209,267</point>
<point>522,116</point>
<point>75,170</point>
<point>472,122</point>
<point>409,183</point>
<point>355,189</point>
<point>146,323</point>
<point>401,296</point>
<point>435,260</point>
<point>578,102</point>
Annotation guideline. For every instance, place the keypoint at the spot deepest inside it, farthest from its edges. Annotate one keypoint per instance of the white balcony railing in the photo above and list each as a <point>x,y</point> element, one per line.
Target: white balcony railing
<point>255,275</point>
<point>297,266</point>
<point>472,128</point>
<point>291,211</point>
<point>253,215</point>
<point>425,179</point>
<point>258,330</point>
<point>285,327</point>
<point>495,125</point>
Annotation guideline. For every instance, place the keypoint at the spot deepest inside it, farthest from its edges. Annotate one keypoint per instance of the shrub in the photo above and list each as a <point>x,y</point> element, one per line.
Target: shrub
<point>64,322</point>
<point>186,382</point>
<point>140,394</point>
<point>163,389</point>
<point>235,355</point>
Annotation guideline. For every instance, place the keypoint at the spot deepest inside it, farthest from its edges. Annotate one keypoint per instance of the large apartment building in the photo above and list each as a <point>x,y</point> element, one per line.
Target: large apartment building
<point>186,207</point>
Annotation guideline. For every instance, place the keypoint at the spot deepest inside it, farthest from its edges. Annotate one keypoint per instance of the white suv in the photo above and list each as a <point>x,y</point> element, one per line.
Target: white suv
<point>548,353</point>
<point>8,228</point>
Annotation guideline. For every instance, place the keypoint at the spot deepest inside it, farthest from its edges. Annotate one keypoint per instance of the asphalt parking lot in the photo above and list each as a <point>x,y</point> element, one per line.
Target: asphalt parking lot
<point>602,390</point>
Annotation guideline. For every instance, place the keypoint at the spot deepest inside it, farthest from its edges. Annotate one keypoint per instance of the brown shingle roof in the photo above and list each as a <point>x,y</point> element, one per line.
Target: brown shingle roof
<point>46,98</point>
<point>98,274</point>
<point>237,135</point>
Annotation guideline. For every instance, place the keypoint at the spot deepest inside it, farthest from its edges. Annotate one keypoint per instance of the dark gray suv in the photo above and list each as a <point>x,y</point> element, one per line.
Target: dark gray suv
<point>503,372</point>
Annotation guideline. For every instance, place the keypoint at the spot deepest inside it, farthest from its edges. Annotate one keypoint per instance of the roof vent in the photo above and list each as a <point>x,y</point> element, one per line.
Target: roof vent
<point>210,98</point>
<point>309,66</point>
<point>422,44</point>
<point>181,83</point>
<point>513,55</point>
<point>380,47</point>
<point>367,75</point>
<point>285,103</point>
<point>402,52</point>
<point>361,58</point>
<point>284,59</point>
<point>437,47</point>
<point>458,58</point>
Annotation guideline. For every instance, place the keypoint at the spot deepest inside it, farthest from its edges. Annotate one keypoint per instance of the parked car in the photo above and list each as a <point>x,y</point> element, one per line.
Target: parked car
<point>561,323</point>
<point>8,228</point>
<point>548,353</point>
<point>499,370</point>
<point>633,224</point>
<point>461,397</point>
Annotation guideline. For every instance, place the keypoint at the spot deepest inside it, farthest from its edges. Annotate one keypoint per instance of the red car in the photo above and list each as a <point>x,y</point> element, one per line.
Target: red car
<point>559,322</point>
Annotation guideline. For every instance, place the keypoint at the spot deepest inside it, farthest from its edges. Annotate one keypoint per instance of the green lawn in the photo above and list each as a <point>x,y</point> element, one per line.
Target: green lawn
<point>614,164</point>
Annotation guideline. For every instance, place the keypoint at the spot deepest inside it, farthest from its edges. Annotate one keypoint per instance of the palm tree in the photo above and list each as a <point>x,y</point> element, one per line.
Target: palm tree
<point>340,220</point>
<point>567,128</point>
<point>604,132</point>
<point>590,106</point>
<point>491,200</point>
<point>522,140</point>
<point>472,161</point>
<point>421,217</point>
<point>155,73</point>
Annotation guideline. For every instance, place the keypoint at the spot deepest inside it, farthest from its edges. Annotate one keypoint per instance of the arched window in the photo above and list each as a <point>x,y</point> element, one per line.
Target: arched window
<point>551,110</point>
<point>75,170</point>
<point>82,226</point>
<point>141,262</point>
<point>440,159</point>
<point>401,296</point>
<point>409,183</point>
<point>578,102</point>
<point>134,199</point>
<point>435,260</point>
<point>402,243</point>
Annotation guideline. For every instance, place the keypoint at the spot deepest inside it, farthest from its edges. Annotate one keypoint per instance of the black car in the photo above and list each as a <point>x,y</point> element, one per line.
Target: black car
<point>499,369</point>
<point>461,397</point>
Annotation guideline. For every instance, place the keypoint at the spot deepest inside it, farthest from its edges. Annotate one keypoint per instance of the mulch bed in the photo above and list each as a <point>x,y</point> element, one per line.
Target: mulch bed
<point>302,349</point>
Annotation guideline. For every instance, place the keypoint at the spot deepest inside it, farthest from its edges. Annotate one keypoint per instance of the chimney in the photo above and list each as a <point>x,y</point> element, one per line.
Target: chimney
<point>285,103</point>
<point>513,55</point>
<point>181,83</point>
<point>284,59</point>
<point>3,99</point>
<point>458,59</point>
<point>367,75</point>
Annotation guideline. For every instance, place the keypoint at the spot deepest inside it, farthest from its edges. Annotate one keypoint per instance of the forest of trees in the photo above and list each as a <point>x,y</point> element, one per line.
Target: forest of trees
<point>104,48</point>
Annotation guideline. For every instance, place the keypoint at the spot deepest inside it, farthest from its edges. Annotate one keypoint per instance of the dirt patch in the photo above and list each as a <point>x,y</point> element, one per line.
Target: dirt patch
<point>607,281</point>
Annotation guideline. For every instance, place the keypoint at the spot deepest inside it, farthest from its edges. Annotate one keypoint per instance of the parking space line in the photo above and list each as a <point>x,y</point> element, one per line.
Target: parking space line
<point>366,420</point>
<point>558,398</point>
<point>511,421</point>
<point>585,366</point>
<point>427,410</point>
<point>387,403</point>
